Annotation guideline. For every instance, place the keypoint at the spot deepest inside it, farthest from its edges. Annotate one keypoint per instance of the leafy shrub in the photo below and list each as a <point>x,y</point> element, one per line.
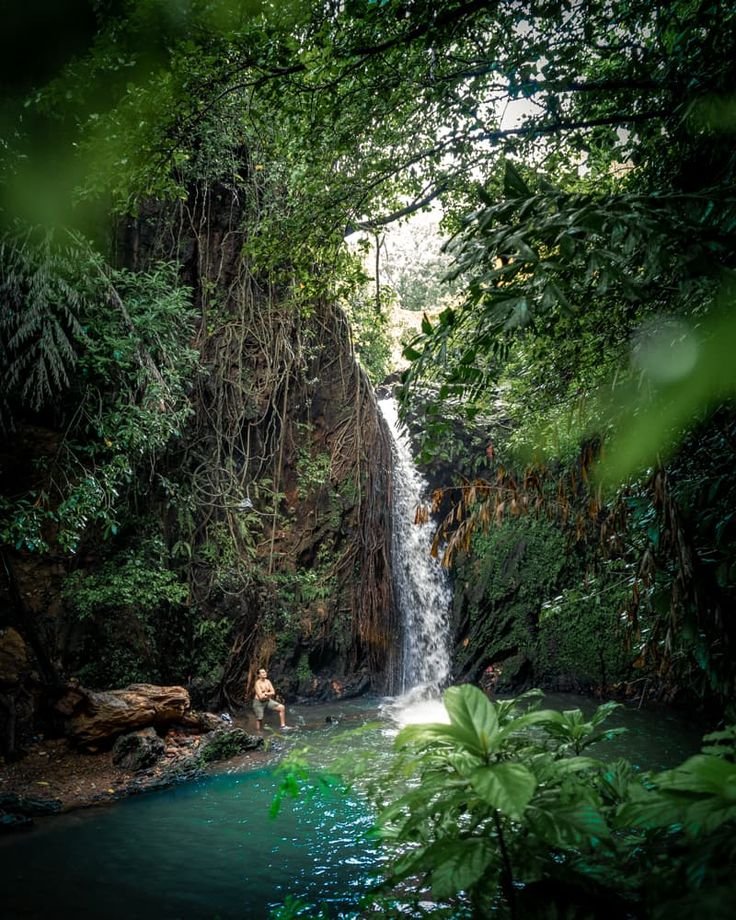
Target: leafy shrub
<point>505,812</point>
<point>121,608</point>
<point>133,578</point>
<point>506,808</point>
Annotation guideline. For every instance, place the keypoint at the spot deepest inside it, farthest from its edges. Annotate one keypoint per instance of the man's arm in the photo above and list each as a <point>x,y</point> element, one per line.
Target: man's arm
<point>264,690</point>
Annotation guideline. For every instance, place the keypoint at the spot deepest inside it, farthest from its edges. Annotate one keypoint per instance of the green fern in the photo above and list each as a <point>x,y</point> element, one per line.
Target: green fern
<point>41,299</point>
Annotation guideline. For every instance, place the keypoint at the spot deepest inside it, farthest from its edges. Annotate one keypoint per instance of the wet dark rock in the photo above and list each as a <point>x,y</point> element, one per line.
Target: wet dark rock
<point>137,750</point>
<point>330,688</point>
<point>14,658</point>
<point>357,686</point>
<point>20,805</point>
<point>228,743</point>
<point>12,822</point>
<point>16,692</point>
<point>17,812</point>
<point>204,721</point>
<point>170,777</point>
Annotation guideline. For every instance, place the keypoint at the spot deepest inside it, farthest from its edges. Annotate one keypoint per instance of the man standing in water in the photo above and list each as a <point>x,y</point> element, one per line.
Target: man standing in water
<point>264,699</point>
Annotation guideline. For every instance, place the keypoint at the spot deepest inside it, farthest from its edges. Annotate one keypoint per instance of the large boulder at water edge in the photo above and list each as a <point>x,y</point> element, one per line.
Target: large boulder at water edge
<point>94,719</point>
<point>137,750</point>
<point>224,744</point>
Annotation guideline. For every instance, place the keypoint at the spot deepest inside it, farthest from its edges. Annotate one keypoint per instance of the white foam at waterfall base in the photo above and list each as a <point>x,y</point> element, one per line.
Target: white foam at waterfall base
<point>417,707</point>
<point>421,585</point>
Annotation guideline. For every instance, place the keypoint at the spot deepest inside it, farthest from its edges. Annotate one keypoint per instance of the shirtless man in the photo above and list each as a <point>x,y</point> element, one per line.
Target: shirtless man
<point>264,699</point>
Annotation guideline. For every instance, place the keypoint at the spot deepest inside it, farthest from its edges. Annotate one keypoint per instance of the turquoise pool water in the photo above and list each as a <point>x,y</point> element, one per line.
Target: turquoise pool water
<point>208,849</point>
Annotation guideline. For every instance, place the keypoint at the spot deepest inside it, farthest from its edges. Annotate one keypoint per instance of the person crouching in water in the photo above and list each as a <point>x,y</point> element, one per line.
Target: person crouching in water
<point>264,699</point>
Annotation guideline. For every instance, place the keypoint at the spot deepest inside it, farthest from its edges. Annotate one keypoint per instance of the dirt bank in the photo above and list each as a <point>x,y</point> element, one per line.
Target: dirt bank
<point>53,770</point>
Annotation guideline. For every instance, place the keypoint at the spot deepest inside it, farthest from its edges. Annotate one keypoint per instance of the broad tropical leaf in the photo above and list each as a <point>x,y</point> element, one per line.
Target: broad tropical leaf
<point>508,787</point>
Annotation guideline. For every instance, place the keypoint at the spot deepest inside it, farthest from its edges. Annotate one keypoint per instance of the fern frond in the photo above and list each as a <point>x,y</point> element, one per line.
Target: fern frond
<point>42,292</point>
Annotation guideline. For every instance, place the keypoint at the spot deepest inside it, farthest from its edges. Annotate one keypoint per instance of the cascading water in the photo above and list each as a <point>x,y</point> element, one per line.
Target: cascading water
<point>421,586</point>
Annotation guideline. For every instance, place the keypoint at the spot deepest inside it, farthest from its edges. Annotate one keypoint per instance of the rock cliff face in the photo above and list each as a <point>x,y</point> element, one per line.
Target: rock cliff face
<point>274,507</point>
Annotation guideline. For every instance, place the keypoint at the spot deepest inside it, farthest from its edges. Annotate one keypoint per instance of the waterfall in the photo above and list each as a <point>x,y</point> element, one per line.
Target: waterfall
<point>421,585</point>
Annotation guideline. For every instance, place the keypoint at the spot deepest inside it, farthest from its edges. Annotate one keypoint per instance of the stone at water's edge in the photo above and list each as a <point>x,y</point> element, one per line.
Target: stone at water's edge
<point>21,805</point>
<point>94,719</point>
<point>201,721</point>
<point>138,750</point>
<point>228,743</point>
<point>17,811</point>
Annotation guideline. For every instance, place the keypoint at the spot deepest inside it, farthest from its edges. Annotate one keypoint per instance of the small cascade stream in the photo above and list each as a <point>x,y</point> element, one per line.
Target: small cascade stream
<point>421,585</point>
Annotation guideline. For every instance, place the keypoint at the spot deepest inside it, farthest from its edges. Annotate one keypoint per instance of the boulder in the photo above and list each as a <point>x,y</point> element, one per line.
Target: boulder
<point>13,822</point>
<point>137,750</point>
<point>229,743</point>
<point>95,719</point>
<point>17,811</point>
<point>16,696</point>
<point>202,721</point>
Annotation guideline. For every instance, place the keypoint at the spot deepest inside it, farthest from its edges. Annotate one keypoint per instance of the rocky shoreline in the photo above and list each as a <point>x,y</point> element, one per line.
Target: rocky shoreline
<point>110,745</point>
<point>53,777</point>
<point>117,744</point>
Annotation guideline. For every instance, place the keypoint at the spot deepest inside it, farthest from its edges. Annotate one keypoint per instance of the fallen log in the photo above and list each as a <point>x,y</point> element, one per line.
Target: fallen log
<point>94,719</point>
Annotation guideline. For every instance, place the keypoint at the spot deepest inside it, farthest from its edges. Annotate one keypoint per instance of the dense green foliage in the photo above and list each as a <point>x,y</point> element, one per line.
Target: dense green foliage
<point>120,349</point>
<point>582,636</point>
<point>222,150</point>
<point>503,582</point>
<point>596,253</point>
<point>586,172</point>
<point>511,810</point>
<point>183,383</point>
<point>513,817</point>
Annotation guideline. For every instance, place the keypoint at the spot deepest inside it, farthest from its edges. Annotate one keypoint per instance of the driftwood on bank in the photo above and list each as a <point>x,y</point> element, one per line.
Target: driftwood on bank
<point>93,719</point>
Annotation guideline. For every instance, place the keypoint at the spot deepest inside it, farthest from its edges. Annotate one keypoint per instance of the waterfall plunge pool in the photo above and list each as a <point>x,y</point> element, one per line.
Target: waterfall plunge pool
<point>208,849</point>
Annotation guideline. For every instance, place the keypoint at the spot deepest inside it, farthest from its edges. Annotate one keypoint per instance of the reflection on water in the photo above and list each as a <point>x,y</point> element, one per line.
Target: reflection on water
<point>654,739</point>
<point>209,850</point>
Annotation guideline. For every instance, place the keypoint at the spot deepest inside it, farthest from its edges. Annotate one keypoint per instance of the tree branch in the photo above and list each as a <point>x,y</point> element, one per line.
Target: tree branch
<point>559,127</point>
<point>412,208</point>
<point>448,17</point>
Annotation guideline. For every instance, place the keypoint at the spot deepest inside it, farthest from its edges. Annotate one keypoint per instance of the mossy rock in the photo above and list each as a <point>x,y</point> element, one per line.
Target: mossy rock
<point>228,743</point>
